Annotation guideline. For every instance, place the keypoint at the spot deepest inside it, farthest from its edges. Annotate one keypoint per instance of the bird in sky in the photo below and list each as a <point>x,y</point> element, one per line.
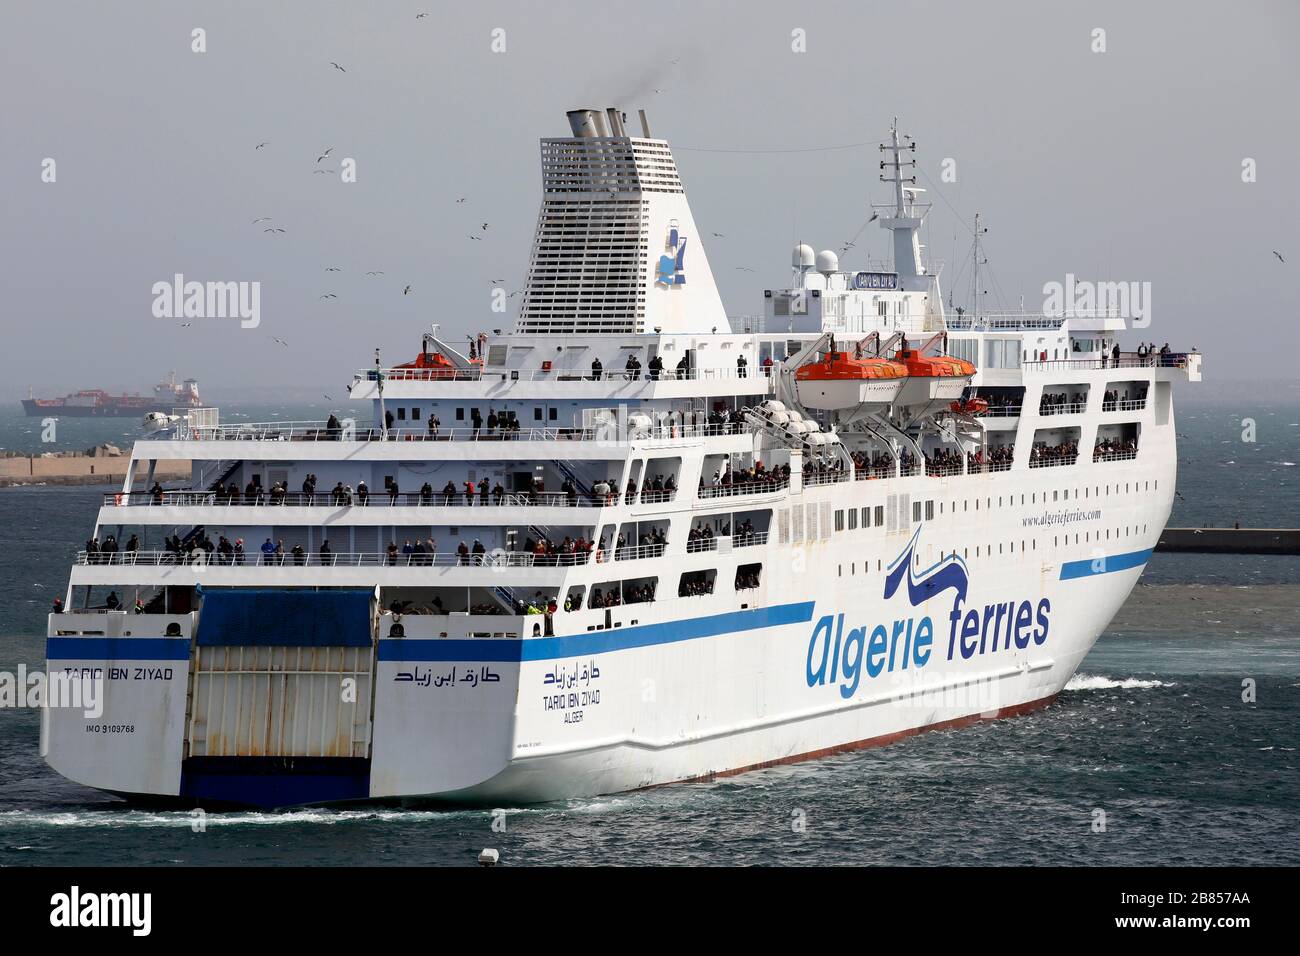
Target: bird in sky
<point>744,268</point>
<point>263,219</point>
<point>495,281</point>
<point>718,235</point>
<point>661,91</point>
<point>477,238</point>
<point>420,16</point>
<point>374,273</point>
<point>260,145</point>
<point>337,67</point>
<point>1279,256</point>
<point>874,217</point>
<point>320,172</point>
<point>273,230</point>
<point>329,295</point>
<point>333,269</point>
<point>324,154</point>
<point>406,291</point>
<point>461,200</point>
<point>186,325</point>
<point>281,341</point>
<point>485,225</point>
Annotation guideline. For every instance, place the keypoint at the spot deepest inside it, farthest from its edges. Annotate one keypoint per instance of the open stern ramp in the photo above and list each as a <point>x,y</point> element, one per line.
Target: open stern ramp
<point>280,702</point>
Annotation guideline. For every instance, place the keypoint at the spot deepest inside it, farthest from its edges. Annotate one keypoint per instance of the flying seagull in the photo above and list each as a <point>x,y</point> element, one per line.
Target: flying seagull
<point>260,145</point>
<point>485,225</point>
<point>325,171</point>
<point>744,268</point>
<point>263,219</point>
<point>495,281</point>
<point>333,269</point>
<point>281,341</point>
<point>420,16</point>
<point>374,273</point>
<point>477,238</point>
<point>1279,256</point>
<point>324,154</point>
<point>337,67</point>
<point>718,235</point>
<point>273,230</point>
<point>329,295</point>
<point>461,200</point>
<point>406,291</point>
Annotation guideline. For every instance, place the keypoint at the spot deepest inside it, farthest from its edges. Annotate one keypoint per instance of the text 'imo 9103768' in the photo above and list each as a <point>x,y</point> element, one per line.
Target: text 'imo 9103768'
<point>627,543</point>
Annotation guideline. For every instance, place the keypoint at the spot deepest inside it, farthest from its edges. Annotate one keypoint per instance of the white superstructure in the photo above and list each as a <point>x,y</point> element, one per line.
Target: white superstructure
<point>630,542</point>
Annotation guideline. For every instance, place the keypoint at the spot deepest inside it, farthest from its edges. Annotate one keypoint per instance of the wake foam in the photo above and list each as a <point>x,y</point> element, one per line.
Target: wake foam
<point>1098,682</point>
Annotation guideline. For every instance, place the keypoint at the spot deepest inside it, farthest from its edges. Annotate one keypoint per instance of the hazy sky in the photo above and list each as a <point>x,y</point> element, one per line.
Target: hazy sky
<point>1117,165</point>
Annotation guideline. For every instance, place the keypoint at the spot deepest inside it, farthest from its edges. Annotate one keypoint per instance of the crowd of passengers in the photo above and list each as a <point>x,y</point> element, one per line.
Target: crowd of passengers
<point>997,458</point>
<point>1110,399</point>
<point>1066,453</point>
<point>1109,449</point>
<point>751,480</point>
<point>1054,403</point>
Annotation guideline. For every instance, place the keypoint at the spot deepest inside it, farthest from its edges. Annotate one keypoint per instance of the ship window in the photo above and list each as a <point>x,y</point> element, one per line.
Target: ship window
<point>696,583</point>
<point>537,414</point>
<point>460,414</point>
<point>839,519</point>
<point>401,414</point>
<point>879,518</point>
<point>553,414</point>
<point>853,518</point>
<point>916,511</point>
<point>929,510</point>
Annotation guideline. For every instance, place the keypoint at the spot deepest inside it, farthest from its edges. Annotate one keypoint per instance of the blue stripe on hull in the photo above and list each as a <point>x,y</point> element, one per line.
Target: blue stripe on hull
<point>117,648</point>
<point>1104,565</point>
<point>592,642</point>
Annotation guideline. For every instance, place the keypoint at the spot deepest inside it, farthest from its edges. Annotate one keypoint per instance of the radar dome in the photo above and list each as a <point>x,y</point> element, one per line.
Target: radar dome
<point>827,262</point>
<point>803,256</point>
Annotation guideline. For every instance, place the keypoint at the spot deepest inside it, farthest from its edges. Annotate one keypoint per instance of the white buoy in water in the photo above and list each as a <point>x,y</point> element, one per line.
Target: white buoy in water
<point>488,857</point>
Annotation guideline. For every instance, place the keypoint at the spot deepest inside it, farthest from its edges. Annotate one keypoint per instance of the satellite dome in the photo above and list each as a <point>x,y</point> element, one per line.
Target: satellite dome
<point>803,256</point>
<point>827,262</point>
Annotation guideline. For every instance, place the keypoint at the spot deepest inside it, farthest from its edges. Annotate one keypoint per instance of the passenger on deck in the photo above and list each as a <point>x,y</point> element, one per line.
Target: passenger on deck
<point>363,493</point>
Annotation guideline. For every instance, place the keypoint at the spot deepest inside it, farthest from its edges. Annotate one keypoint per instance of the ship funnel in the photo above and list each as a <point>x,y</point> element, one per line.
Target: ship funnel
<point>615,121</point>
<point>586,122</point>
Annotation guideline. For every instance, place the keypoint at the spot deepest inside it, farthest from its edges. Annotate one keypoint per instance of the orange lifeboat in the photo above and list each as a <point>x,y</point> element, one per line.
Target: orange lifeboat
<point>840,381</point>
<point>933,377</point>
<point>969,406</point>
<point>430,366</point>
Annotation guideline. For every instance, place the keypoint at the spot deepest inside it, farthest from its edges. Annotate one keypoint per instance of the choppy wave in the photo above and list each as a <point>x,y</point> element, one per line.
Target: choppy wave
<point>186,819</point>
<point>1098,682</point>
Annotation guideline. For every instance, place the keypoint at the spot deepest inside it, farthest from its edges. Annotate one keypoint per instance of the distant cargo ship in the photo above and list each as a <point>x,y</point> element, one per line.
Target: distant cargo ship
<point>97,403</point>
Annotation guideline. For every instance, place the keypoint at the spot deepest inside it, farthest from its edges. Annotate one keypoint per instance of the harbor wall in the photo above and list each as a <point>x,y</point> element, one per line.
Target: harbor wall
<point>82,470</point>
<point>1231,540</point>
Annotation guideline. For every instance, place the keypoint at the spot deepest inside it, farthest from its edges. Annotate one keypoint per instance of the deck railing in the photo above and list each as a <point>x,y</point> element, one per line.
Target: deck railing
<point>334,559</point>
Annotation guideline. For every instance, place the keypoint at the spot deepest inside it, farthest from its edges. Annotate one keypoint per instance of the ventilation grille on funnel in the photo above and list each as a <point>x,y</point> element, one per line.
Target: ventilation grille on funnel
<point>588,268</point>
<point>602,165</point>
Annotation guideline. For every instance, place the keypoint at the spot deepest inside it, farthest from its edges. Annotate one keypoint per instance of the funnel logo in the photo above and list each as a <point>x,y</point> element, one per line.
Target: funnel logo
<point>670,270</point>
<point>908,643</point>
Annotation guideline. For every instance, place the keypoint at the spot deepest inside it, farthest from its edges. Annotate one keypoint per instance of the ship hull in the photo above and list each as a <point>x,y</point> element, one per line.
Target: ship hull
<point>34,408</point>
<point>835,655</point>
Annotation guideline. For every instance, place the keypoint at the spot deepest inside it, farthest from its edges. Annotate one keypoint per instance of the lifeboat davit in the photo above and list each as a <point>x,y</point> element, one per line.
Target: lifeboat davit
<point>841,381</point>
<point>933,378</point>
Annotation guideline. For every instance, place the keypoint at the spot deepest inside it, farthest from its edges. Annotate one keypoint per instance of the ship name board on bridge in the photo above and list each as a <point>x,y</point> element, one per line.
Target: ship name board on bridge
<point>875,280</point>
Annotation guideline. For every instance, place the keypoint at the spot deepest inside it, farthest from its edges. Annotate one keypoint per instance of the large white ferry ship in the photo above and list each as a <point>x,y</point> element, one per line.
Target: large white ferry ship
<point>630,542</point>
